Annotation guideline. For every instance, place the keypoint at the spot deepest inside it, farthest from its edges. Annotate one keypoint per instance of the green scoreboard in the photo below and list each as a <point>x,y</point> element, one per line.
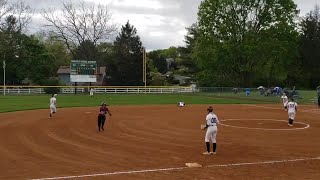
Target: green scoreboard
<point>83,71</point>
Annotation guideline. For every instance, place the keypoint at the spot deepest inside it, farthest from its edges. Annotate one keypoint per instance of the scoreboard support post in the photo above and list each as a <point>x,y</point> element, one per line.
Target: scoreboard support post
<point>75,88</point>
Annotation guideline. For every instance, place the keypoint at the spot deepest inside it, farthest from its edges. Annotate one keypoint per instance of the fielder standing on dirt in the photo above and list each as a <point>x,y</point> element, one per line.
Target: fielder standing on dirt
<point>102,116</point>
<point>211,134</point>
<point>284,99</point>
<point>292,109</point>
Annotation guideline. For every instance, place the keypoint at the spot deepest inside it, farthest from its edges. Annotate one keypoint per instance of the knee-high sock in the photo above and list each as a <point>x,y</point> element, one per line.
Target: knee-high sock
<point>208,146</point>
<point>214,147</point>
<point>290,121</point>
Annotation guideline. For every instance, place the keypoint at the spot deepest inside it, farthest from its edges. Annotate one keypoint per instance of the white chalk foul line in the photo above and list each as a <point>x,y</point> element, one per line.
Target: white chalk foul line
<point>264,162</point>
<point>113,173</point>
<point>179,168</point>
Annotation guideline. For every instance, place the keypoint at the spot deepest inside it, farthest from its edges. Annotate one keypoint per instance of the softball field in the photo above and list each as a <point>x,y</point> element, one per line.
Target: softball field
<point>156,141</point>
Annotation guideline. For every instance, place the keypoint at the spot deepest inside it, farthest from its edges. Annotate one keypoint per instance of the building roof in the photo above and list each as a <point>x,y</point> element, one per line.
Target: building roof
<point>66,70</point>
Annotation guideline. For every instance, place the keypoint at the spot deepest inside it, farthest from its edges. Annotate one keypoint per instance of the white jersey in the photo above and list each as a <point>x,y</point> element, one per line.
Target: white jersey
<point>292,107</point>
<point>284,99</point>
<point>212,119</point>
<point>53,101</point>
<point>91,91</point>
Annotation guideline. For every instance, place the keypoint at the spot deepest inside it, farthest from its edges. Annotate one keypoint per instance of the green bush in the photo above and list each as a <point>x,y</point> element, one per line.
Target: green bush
<point>52,82</point>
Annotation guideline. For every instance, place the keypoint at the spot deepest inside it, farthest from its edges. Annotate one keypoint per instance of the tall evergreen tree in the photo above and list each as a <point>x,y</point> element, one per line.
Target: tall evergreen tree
<point>126,67</point>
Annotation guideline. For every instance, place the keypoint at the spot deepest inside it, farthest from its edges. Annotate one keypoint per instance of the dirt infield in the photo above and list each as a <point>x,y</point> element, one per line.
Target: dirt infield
<point>155,142</point>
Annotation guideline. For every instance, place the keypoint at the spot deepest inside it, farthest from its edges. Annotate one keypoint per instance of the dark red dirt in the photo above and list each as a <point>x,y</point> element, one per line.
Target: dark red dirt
<point>153,137</point>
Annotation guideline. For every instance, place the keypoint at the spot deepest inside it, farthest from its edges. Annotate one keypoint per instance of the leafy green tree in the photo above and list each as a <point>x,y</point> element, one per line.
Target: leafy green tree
<point>105,51</point>
<point>171,52</point>
<point>86,51</point>
<point>161,64</point>
<point>40,63</point>
<point>242,41</point>
<point>310,49</point>
<point>126,67</point>
<point>11,41</point>
<point>58,50</point>
<point>185,61</point>
<point>190,38</point>
<point>25,56</point>
<point>158,61</point>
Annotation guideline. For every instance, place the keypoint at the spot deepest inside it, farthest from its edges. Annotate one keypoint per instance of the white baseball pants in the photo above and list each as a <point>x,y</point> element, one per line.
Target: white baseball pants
<point>211,134</point>
<point>53,109</point>
<point>292,115</point>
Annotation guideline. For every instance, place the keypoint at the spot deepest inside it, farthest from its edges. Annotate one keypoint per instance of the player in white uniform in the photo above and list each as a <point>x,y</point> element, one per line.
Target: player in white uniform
<point>91,92</point>
<point>211,125</point>
<point>53,102</point>
<point>284,99</point>
<point>181,104</point>
<point>292,109</point>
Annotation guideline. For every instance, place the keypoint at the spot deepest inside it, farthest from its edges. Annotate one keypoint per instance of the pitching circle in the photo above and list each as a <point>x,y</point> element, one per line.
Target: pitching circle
<point>266,129</point>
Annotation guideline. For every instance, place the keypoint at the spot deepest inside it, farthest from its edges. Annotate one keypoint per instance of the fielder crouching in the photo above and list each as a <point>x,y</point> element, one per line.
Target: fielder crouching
<point>211,125</point>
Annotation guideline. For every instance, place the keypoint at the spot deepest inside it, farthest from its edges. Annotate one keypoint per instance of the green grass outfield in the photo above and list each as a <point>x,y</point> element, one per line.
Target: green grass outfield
<point>28,102</point>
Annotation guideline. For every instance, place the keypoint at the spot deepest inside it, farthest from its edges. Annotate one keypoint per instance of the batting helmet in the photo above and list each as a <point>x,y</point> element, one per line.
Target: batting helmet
<point>210,109</point>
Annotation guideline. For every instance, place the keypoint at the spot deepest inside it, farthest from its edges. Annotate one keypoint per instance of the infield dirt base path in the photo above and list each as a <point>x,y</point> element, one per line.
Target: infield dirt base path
<point>156,137</point>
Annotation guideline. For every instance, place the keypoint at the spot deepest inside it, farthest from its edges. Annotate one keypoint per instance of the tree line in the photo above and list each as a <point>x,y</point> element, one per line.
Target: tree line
<point>237,43</point>
<point>254,42</point>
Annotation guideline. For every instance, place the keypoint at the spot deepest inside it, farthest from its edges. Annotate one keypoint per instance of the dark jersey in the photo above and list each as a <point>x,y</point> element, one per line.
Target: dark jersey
<point>103,111</point>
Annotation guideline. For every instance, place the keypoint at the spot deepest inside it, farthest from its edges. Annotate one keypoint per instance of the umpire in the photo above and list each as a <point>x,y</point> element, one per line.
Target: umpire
<point>102,116</point>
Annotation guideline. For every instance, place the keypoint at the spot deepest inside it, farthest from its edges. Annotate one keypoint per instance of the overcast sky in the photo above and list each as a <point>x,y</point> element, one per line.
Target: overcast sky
<point>160,23</point>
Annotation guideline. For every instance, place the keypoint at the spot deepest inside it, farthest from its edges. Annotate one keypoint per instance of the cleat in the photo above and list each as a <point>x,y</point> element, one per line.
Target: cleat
<point>213,153</point>
<point>206,153</point>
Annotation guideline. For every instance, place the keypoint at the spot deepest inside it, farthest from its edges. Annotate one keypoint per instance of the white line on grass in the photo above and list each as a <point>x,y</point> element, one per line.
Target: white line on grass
<point>178,168</point>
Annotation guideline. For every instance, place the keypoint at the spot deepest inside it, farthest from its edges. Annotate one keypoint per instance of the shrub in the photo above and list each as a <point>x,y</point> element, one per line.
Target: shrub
<point>52,82</point>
